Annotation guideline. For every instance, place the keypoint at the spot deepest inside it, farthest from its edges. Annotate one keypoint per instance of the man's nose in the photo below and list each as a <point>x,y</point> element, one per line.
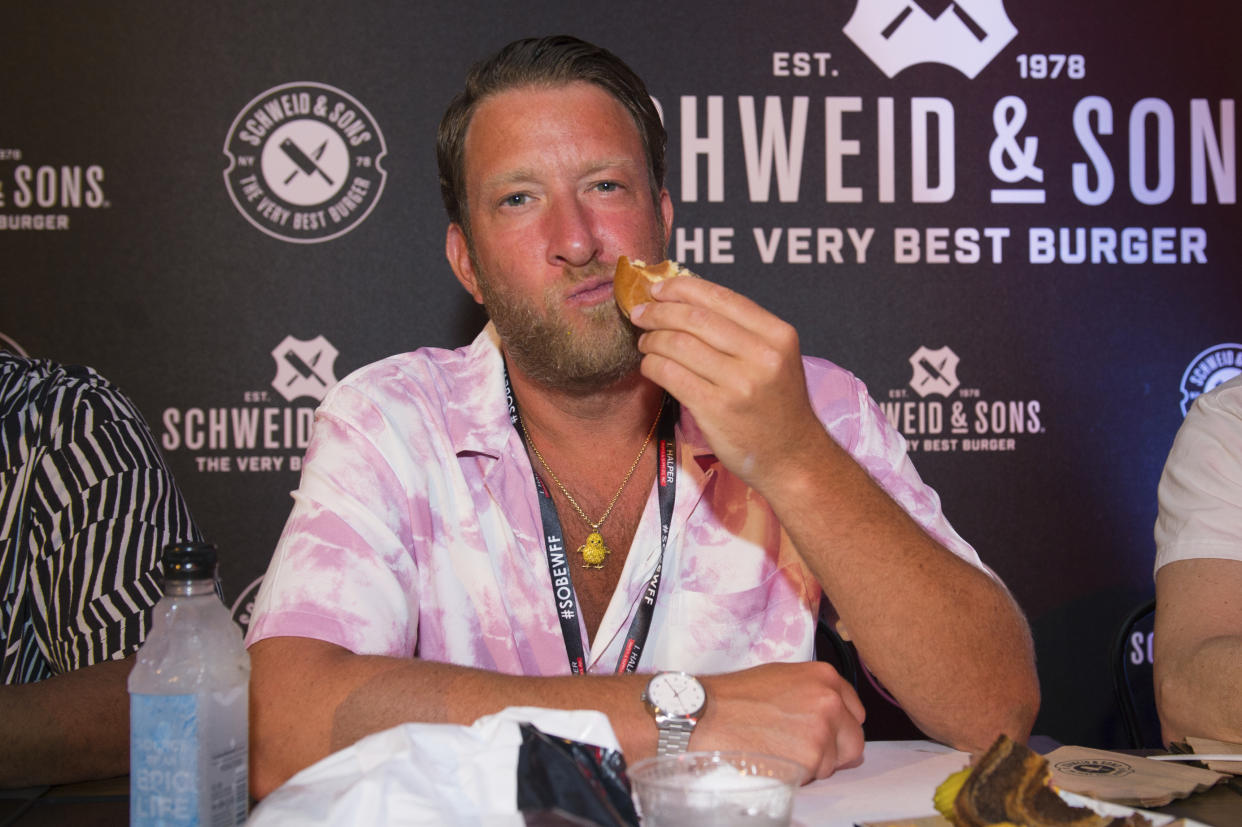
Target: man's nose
<point>573,239</point>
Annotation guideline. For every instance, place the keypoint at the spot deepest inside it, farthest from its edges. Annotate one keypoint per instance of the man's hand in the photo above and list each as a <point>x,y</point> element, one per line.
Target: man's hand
<point>736,367</point>
<point>802,711</point>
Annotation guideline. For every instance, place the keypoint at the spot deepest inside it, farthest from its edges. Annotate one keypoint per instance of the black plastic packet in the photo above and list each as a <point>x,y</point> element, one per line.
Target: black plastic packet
<point>564,782</point>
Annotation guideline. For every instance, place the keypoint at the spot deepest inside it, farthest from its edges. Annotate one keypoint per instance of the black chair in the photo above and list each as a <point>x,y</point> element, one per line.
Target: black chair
<point>1132,677</point>
<point>831,648</point>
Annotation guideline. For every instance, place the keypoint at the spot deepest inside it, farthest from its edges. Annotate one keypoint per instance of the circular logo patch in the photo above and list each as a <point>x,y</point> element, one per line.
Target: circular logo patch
<point>1212,367</point>
<point>1094,766</point>
<point>243,606</point>
<point>305,162</point>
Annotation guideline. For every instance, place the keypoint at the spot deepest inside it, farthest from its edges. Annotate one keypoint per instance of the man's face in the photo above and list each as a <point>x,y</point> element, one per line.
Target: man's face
<point>557,188</point>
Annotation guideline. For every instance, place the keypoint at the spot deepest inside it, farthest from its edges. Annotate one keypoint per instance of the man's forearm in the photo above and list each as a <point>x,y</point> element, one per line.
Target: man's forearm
<point>1198,657</point>
<point>943,636</point>
<point>343,697</point>
<point>1197,691</point>
<point>70,727</point>
<point>460,695</point>
<point>310,698</point>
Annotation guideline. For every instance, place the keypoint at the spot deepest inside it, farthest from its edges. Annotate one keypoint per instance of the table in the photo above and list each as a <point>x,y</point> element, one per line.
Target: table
<point>897,780</point>
<point>1220,806</point>
<point>89,803</point>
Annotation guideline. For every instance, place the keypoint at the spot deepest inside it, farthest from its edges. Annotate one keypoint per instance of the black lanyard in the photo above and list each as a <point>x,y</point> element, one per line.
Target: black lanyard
<point>565,600</point>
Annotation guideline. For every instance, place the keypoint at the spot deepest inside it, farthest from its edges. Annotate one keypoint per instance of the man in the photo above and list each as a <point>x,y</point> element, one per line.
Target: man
<point>86,506</point>
<point>422,575</point>
<point>1198,657</point>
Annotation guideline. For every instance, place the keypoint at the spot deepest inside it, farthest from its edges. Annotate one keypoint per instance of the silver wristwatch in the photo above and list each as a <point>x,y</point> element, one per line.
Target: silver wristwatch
<point>676,701</point>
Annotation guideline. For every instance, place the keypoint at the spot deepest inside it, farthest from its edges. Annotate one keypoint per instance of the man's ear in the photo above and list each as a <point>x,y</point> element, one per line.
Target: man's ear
<point>666,214</point>
<point>457,251</point>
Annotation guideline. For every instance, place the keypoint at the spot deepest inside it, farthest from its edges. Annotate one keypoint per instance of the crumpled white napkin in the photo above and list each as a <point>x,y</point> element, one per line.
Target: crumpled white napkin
<point>417,775</point>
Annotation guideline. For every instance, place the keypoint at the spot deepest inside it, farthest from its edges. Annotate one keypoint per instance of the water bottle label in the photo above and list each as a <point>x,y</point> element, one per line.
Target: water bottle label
<point>230,798</point>
<point>163,760</point>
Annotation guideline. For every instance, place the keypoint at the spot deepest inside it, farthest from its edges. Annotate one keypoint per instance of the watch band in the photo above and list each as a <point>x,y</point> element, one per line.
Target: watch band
<point>674,737</point>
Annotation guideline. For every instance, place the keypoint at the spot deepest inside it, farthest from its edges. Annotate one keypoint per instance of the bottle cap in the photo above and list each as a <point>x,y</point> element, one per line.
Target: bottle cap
<point>189,561</point>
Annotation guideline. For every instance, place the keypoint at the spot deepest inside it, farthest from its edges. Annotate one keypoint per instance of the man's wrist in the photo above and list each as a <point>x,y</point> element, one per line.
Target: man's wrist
<point>676,701</point>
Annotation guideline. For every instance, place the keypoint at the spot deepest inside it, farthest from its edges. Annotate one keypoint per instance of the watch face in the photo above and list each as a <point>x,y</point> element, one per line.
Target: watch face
<point>676,693</point>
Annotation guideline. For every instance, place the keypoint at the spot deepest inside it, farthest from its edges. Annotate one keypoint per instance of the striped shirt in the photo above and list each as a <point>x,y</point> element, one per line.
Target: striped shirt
<point>86,507</point>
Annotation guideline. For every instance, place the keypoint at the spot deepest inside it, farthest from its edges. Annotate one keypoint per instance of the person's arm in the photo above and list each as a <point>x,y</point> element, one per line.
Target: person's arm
<point>945,638</point>
<point>1198,533</point>
<point>1198,649</point>
<point>310,698</point>
<point>105,493</point>
<point>66,728</point>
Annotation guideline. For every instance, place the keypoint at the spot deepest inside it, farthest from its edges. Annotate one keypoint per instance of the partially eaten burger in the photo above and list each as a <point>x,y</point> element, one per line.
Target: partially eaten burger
<point>631,285</point>
<point>1009,786</point>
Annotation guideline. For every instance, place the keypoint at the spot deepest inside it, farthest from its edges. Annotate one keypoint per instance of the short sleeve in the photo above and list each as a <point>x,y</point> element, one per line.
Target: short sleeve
<point>102,505</point>
<point>859,426</point>
<point>1200,489</point>
<point>343,571</point>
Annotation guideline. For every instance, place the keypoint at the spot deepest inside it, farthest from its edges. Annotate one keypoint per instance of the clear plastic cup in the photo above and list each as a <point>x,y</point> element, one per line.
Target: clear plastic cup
<point>716,789</point>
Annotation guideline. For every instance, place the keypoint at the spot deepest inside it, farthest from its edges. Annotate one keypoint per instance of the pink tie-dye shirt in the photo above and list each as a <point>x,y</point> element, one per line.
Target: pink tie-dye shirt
<point>415,531</point>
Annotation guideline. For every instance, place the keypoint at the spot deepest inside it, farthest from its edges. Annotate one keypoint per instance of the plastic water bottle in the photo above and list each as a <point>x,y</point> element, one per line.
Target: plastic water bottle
<point>189,696</point>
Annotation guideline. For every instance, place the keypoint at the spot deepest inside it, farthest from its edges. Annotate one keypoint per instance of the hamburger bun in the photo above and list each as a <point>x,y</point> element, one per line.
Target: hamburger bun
<point>631,286</point>
<point>1010,784</point>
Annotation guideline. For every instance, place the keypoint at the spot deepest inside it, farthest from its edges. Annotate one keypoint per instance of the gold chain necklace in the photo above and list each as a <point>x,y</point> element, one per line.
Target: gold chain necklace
<point>593,551</point>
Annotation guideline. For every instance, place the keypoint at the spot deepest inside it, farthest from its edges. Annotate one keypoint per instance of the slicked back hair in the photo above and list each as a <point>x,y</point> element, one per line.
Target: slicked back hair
<point>546,61</point>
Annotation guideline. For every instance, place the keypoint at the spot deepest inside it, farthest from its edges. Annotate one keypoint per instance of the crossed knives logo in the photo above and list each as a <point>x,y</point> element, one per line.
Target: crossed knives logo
<point>897,34</point>
<point>304,368</point>
<point>935,371</point>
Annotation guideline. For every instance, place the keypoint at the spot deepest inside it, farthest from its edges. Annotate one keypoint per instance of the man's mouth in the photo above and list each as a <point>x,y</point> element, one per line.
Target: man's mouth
<point>591,291</point>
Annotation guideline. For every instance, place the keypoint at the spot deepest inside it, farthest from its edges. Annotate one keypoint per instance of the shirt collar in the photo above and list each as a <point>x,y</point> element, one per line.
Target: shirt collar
<point>482,425</point>
<point>481,422</point>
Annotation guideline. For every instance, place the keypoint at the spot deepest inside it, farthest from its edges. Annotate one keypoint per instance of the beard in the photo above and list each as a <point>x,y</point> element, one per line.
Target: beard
<point>576,355</point>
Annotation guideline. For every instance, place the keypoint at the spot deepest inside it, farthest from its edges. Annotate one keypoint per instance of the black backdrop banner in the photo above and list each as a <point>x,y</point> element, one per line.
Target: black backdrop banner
<point>1018,223</point>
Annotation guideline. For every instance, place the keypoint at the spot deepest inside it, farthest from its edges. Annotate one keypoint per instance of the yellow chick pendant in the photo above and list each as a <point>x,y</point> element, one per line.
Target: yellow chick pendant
<point>594,551</point>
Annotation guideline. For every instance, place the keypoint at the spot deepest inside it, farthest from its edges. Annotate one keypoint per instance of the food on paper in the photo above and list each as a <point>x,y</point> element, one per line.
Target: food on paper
<point>631,286</point>
<point>1009,785</point>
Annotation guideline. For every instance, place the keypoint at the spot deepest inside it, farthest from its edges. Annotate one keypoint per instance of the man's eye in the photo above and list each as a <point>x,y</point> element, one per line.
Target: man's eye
<point>517,199</point>
<point>608,186</point>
